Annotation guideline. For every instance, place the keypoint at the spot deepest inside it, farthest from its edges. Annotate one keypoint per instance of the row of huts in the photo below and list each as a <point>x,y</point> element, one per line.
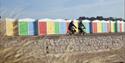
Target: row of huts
<point>28,26</point>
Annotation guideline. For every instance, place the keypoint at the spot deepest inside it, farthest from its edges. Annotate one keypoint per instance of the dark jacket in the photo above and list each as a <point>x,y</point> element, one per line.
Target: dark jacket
<point>71,26</point>
<point>81,26</point>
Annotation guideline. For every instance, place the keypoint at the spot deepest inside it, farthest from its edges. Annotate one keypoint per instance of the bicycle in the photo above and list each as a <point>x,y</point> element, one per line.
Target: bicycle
<point>72,31</point>
<point>82,31</point>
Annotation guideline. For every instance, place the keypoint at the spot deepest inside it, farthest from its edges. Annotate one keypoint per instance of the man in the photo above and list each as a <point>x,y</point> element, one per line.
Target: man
<point>72,27</point>
<point>81,27</point>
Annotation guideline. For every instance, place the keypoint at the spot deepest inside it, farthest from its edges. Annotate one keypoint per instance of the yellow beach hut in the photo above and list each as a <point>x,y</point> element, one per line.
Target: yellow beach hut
<point>11,26</point>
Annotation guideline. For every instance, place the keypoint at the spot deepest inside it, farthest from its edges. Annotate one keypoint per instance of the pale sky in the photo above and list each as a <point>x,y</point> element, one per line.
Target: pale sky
<point>66,9</point>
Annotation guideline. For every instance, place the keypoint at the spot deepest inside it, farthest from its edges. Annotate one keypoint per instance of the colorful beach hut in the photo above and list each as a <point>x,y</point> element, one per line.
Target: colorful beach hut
<point>42,27</point>
<point>57,23</point>
<point>62,26</point>
<point>118,26</point>
<point>11,27</point>
<point>50,27</point>
<point>104,26</point>
<point>67,25</point>
<point>87,25</point>
<point>76,24</point>
<point>113,26</point>
<point>27,26</point>
<point>108,26</point>
<point>99,26</point>
<point>94,26</point>
<point>123,26</point>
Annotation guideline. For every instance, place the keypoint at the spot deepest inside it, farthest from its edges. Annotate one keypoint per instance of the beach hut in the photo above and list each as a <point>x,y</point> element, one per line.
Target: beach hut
<point>76,24</point>
<point>122,25</point>
<point>104,26</point>
<point>57,23</point>
<point>94,26</point>
<point>50,27</point>
<point>99,26</point>
<point>118,26</point>
<point>108,26</point>
<point>113,26</point>
<point>11,27</point>
<point>42,27</point>
<point>27,26</point>
<point>62,26</point>
<point>87,25</point>
<point>67,25</point>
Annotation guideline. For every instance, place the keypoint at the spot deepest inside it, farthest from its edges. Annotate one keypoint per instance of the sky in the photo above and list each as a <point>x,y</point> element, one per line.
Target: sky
<point>65,9</point>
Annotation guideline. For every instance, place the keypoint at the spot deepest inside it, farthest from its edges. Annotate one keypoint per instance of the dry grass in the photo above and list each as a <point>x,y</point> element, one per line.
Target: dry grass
<point>27,50</point>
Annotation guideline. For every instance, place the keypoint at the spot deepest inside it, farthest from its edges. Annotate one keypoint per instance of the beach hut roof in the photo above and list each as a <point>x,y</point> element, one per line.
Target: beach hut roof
<point>27,19</point>
<point>59,20</point>
<point>10,19</point>
<point>46,19</point>
<point>86,20</point>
